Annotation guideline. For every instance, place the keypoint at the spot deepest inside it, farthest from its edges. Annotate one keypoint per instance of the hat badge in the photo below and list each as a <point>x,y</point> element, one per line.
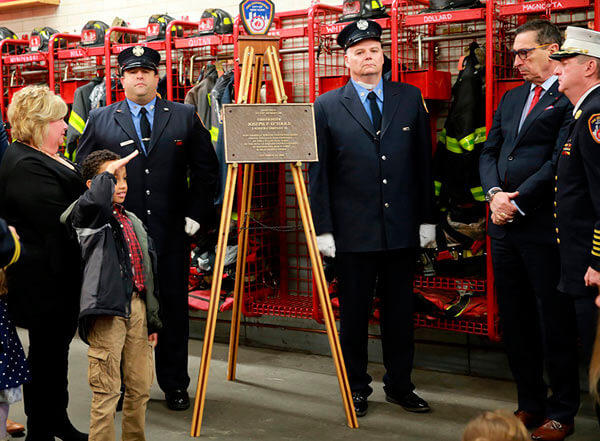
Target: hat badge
<point>362,24</point>
<point>138,51</point>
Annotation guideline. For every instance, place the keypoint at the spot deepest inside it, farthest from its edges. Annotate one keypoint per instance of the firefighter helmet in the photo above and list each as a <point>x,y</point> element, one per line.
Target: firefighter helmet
<point>122,37</point>
<point>7,33</point>
<point>93,33</point>
<point>221,22</point>
<point>157,27</point>
<point>40,38</point>
<point>355,9</point>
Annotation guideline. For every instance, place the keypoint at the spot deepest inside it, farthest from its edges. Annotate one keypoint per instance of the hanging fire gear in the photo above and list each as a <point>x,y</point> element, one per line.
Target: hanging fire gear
<point>221,22</point>
<point>79,113</point>
<point>7,33</point>
<point>157,27</point>
<point>355,9</point>
<point>93,33</point>
<point>456,162</point>
<point>43,35</point>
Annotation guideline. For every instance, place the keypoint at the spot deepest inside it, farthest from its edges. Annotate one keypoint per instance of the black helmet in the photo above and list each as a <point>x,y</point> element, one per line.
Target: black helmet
<point>41,43</point>
<point>355,9</point>
<point>221,22</point>
<point>7,33</point>
<point>93,33</point>
<point>157,27</point>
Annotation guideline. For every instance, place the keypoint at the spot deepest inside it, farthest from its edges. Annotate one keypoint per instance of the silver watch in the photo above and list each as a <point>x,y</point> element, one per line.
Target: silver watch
<point>491,192</point>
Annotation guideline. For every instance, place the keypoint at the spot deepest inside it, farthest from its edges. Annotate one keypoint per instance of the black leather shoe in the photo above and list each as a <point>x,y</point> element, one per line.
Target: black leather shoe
<point>410,402</point>
<point>177,400</point>
<point>360,404</point>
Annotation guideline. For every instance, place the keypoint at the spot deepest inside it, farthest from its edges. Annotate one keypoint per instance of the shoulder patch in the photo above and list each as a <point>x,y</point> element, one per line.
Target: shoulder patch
<point>594,126</point>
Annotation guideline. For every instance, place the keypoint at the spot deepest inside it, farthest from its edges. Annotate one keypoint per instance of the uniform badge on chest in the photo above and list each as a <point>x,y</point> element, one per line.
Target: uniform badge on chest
<point>594,126</point>
<point>566,150</point>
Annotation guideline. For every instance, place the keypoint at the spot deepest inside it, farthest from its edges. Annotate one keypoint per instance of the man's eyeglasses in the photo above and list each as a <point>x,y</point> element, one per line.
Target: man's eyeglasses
<point>523,53</point>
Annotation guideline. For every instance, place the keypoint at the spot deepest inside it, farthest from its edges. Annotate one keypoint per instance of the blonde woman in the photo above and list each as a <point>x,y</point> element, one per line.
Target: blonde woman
<point>498,425</point>
<point>36,185</point>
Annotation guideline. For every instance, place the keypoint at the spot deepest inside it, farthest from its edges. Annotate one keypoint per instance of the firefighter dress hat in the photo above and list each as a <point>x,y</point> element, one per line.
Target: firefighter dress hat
<point>579,41</point>
<point>138,56</point>
<point>358,31</point>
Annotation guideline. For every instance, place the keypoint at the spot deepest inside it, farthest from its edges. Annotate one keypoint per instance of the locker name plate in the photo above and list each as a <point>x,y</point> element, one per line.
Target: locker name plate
<point>269,133</point>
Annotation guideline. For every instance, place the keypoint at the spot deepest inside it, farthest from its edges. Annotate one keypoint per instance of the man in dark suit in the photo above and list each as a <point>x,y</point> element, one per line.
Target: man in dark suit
<point>370,191</point>
<point>171,188</point>
<point>517,173</point>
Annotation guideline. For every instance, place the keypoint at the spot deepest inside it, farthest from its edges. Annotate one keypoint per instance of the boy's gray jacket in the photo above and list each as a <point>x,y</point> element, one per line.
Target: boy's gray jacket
<point>107,276</point>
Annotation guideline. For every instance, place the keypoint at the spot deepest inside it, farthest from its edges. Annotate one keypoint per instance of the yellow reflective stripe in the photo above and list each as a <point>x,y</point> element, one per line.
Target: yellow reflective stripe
<point>76,122</point>
<point>375,4</point>
<point>214,134</point>
<point>595,253</point>
<point>17,252</point>
<point>596,242</point>
<point>438,187</point>
<point>209,99</point>
<point>478,194</point>
<point>480,135</point>
<point>596,237</point>
<point>452,145</point>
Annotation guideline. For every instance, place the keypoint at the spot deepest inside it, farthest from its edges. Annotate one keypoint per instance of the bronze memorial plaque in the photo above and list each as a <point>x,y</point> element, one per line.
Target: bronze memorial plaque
<point>256,133</point>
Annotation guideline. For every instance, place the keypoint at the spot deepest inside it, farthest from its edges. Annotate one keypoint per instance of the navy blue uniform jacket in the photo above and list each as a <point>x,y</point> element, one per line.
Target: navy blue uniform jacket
<point>372,192</point>
<point>524,160</point>
<point>578,199</point>
<point>159,193</point>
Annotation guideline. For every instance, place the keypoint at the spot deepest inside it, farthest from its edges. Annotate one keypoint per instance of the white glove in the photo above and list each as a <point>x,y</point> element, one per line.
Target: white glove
<point>427,235</point>
<point>326,244</point>
<point>191,226</point>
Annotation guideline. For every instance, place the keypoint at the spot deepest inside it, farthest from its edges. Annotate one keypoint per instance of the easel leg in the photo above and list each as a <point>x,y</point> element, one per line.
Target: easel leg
<point>240,272</point>
<point>321,284</point>
<point>211,320</point>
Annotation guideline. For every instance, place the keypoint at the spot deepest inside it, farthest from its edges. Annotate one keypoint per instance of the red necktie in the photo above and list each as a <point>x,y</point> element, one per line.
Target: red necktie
<point>536,97</point>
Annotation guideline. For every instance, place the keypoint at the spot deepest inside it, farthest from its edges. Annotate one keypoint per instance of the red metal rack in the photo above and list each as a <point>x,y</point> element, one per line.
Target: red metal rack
<point>186,55</point>
<point>428,49</point>
<point>20,70</point>
<point>71,65</point>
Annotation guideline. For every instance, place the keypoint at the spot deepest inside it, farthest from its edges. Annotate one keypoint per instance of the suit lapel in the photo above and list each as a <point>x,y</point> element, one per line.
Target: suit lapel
<point>351,101</point>
<point>162,114</point>
<point>549,97</point>
<point>123,119</point>
<point>390,105</point>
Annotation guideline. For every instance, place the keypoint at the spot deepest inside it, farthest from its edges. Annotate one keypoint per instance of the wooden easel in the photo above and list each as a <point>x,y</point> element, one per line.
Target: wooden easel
<point>256,50</point>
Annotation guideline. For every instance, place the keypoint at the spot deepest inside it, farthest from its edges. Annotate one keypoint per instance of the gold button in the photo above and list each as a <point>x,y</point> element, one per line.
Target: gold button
<point>556,178</point>
<point>555,216</point>
<point>555,189</point>
<point>557,230</point>
<point>555,204</point>
<point>557,240</point>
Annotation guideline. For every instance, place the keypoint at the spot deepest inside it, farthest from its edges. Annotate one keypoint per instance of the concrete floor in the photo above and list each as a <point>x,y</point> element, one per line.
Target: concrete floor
<point>294,396</point>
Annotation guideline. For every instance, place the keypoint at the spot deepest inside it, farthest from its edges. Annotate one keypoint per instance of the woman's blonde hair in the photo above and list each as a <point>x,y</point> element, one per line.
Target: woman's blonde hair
<point>30,111</point>
<point>498,425</point>
<point>595,366</point>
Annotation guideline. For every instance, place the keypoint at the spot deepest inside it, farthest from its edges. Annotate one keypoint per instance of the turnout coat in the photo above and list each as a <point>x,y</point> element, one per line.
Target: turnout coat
<point>159,192</point>
<point>372,191</point>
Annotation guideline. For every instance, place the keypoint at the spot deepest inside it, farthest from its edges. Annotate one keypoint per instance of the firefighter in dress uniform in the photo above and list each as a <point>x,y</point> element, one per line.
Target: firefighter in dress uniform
<point>370,191</point>
<point>577,199</point>
<point>172,187</point>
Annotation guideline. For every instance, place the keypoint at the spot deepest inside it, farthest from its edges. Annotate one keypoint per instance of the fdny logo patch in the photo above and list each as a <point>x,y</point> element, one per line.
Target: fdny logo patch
<point>594,126</point>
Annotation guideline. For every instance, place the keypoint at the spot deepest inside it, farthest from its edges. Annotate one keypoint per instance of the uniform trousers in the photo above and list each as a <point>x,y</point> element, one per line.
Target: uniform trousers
<point>172,348</point>
<point>119,344</point>
<point>390,273</point>
<point>538,327</point>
